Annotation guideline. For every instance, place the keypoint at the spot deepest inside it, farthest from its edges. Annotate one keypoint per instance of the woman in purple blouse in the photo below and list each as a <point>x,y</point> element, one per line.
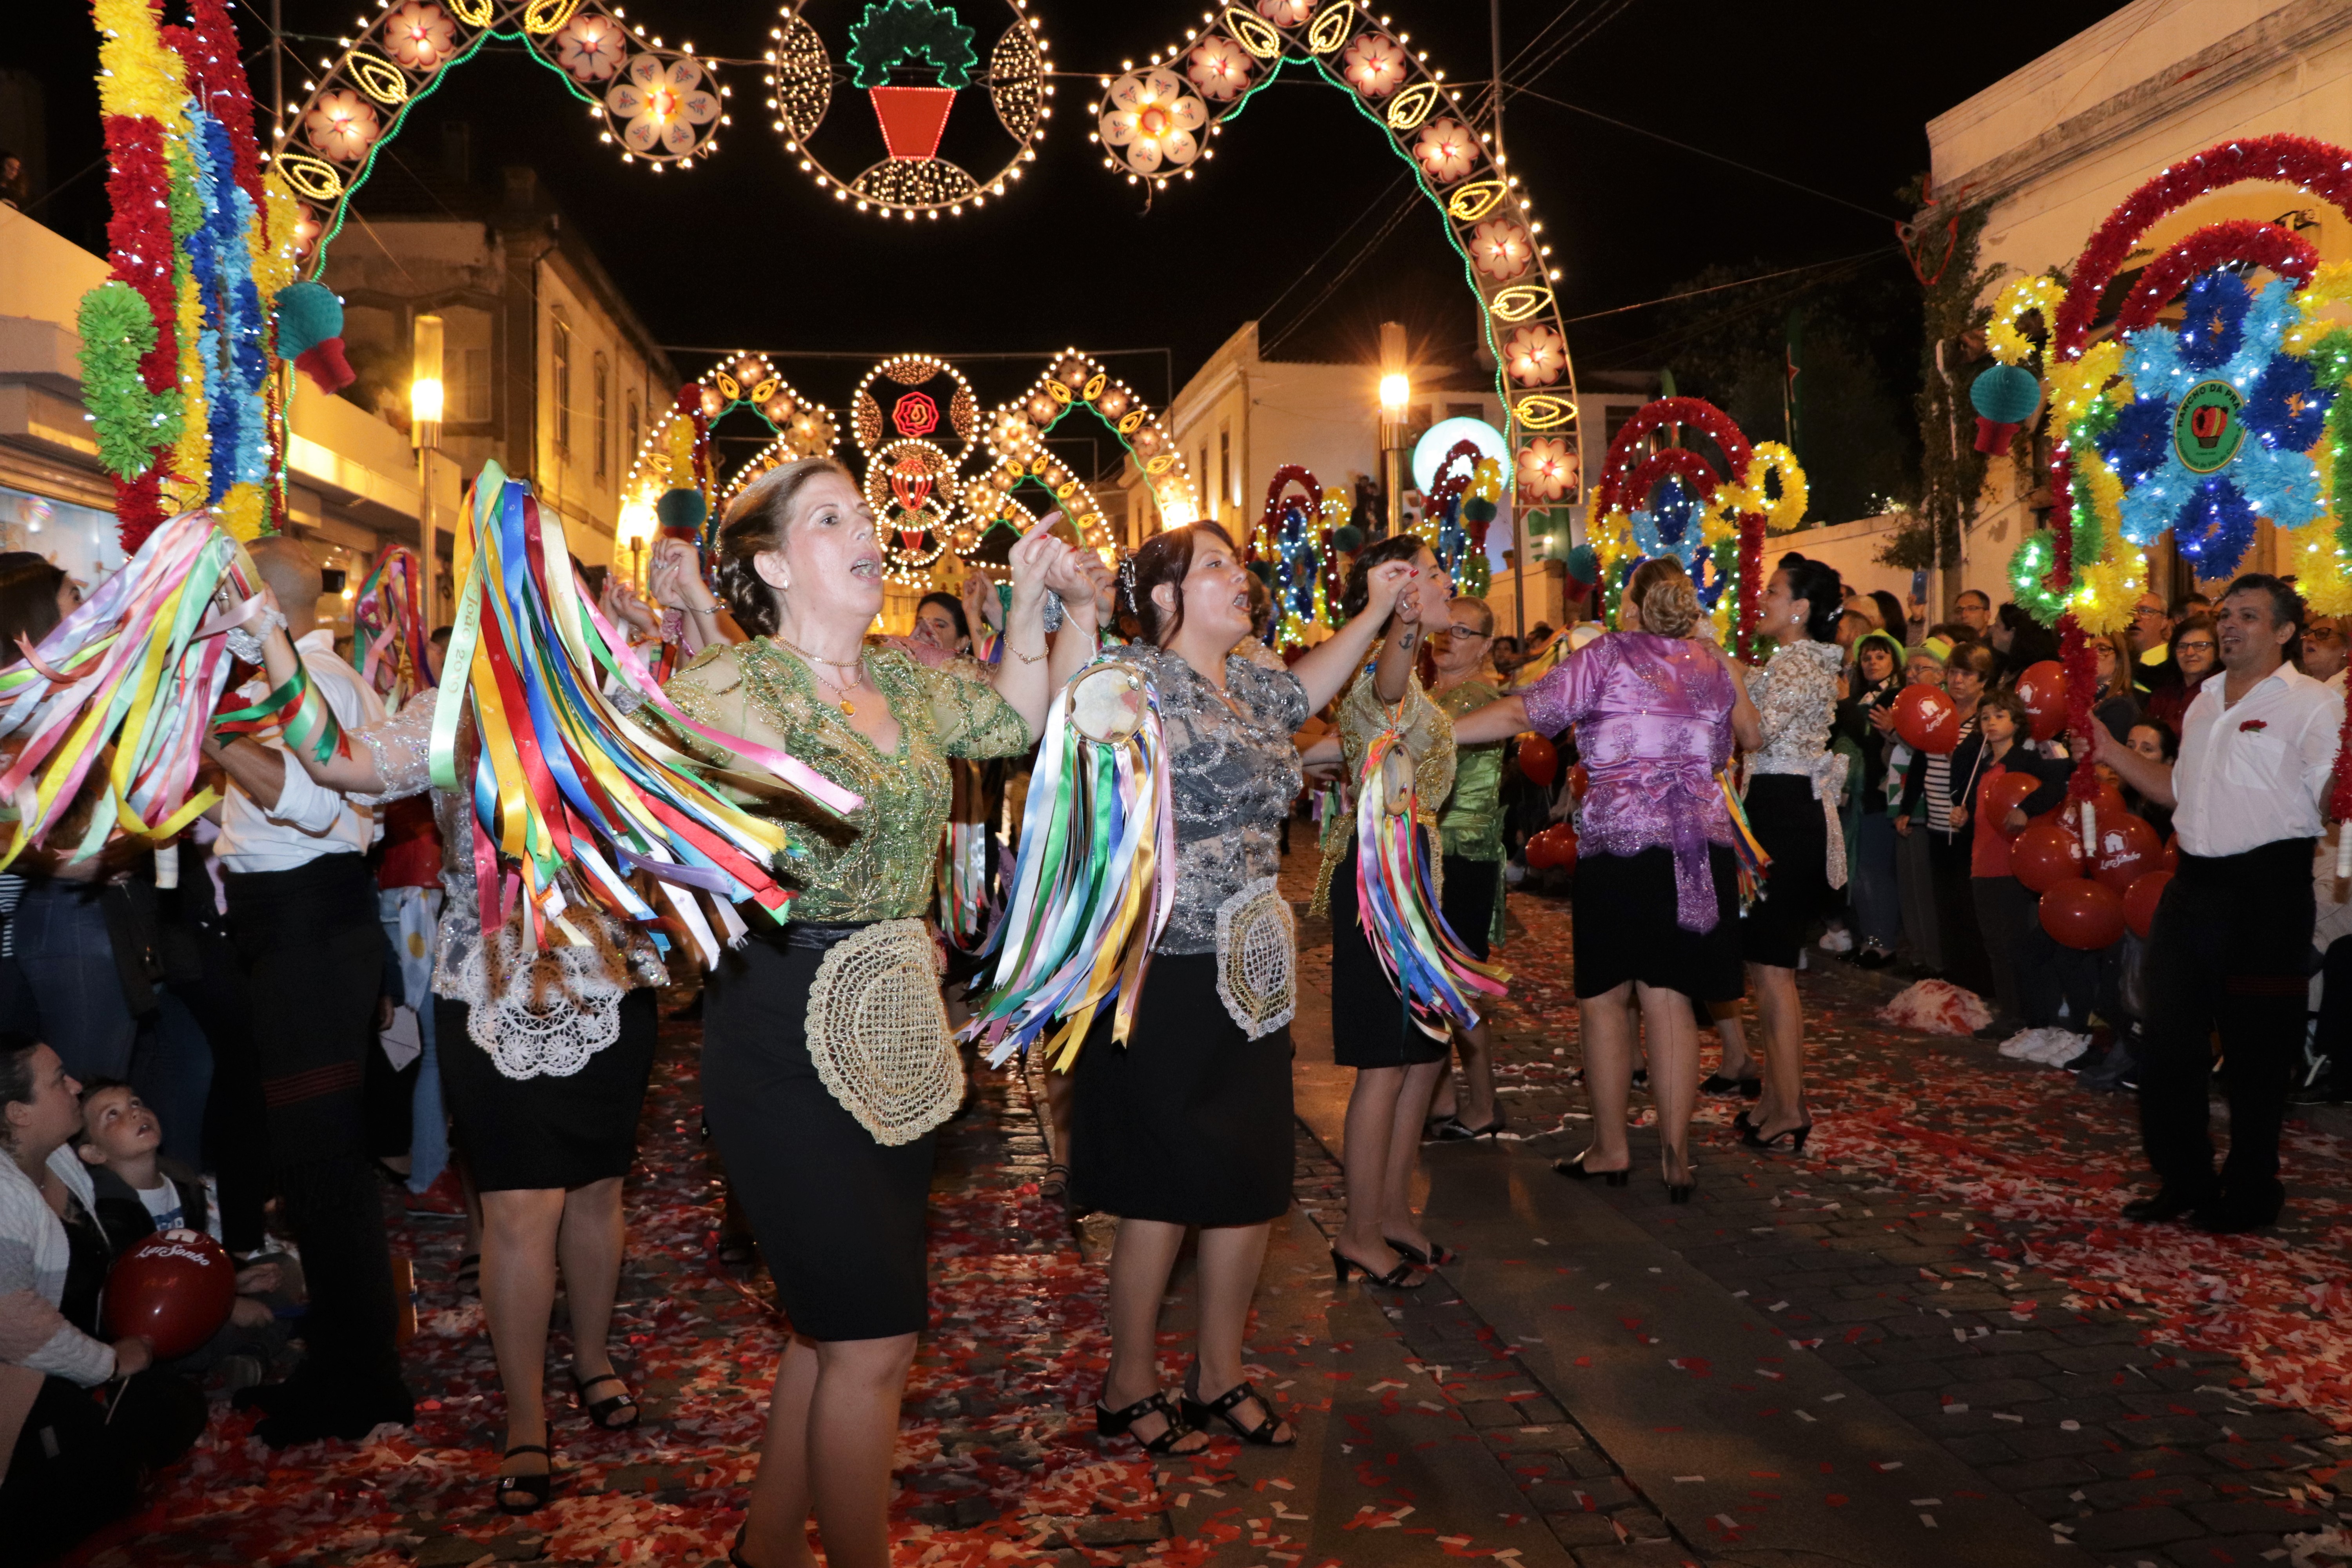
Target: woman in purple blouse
<point>1656,712</point>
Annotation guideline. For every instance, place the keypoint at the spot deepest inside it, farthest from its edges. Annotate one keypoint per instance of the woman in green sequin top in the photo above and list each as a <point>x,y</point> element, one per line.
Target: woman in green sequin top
<point>840,1214</point>
<point>1470,837</point>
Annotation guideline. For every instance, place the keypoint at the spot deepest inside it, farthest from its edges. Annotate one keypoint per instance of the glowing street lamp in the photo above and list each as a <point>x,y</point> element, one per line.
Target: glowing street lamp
<point>1396,390</point>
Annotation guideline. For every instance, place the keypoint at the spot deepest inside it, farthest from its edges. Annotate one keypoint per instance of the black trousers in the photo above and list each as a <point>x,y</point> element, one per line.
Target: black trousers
<point>2226,954</point>
<point>79,1457</point>
<point>1966,963</point>
<point>312,952</point>
<point>2333,1038</point>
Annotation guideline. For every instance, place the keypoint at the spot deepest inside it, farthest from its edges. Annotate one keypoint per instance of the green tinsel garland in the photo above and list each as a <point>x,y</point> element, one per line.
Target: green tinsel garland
<point>2031,562</point>
<point>2331,365</point>
<point>117,330</point>
<point>893,31</point>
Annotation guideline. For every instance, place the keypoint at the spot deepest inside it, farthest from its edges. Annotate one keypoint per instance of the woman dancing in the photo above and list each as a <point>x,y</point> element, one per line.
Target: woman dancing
<point>1794,782</point>
<point>1470,833</point>
<point>1657,711</point>
<point>826,1060</point>
<point>1191,1124</point>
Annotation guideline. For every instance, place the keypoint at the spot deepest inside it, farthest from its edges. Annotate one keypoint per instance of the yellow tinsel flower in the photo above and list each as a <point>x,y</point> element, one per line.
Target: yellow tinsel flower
<point>193,457</point>
<point>137,74</point>
<point>2106,491</point>
<point>2074,387</point>
<point>2330,285</point>
<point>244,512</point>
<point>2105,592</point>
<point>271,240</point>
<point>2023,294</point>
<point>2319,568</point>
<point>1750,495</point>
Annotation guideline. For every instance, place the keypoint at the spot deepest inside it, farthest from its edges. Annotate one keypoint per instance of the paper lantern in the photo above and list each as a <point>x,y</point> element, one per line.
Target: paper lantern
<point>174,1289</point>
<point>2043,690</point>
<point>2045,855</point>
<point>2128,850</point>
<point>2140,901</point>
<point>1926,720</point>
<point>1539,759</point>
<point>2004,397</point>
<point>2083,915</point>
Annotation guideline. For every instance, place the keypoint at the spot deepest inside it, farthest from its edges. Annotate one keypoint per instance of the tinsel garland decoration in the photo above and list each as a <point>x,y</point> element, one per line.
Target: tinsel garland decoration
<point>2023,296</point>
<point>1095,882</point>
<point>118,330</point>
<point>1630,471</point>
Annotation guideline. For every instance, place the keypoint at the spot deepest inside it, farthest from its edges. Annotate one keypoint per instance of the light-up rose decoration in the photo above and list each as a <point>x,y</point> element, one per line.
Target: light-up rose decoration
<point>1547,467</point>
<point>1373,64</point>
<point>342,126</point>
<point>418,36</point>
<point>1500,250</point>
<point>660,107</point>
<point>1536,355</point>
<point>591,47</point>
<point>1220,68</point>
<point>1150,119</point>
<point>1446,150</point>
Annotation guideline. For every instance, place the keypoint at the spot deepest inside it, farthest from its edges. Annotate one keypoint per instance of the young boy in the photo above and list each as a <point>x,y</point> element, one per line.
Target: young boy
<point>140,1193</point>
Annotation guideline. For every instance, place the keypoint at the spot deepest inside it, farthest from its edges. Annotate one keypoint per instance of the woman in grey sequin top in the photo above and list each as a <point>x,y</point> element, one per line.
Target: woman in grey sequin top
<point>1190,1122</point>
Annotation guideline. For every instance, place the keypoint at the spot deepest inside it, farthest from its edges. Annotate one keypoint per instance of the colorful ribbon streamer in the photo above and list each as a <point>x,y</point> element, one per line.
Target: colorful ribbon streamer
<point>1092,889</point>
<point>138,666</point>
<point>562,774</point>
<point>388,627</point>
<point>1396,905</point>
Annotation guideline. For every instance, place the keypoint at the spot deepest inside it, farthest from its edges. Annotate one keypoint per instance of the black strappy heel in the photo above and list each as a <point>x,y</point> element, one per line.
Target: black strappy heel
<point>600,1411</point>
<point>1438,1255</point>
<point>1574,1169</point>
<point>1115,1423</point>
<point>1200,1413</point>
<point>519,1495</point>
<point>1400,1277</point>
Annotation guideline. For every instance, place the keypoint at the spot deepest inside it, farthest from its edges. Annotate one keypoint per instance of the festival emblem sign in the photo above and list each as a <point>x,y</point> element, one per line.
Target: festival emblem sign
<point>2208,433</point>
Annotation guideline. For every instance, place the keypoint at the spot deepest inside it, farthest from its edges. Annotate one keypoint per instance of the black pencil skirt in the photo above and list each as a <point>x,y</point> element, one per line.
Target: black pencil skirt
<point>548,1130</point>
<point>1190,1122</point>
<point>840,1218</point>
<point>1787,821</point>
<point>1626,928</point>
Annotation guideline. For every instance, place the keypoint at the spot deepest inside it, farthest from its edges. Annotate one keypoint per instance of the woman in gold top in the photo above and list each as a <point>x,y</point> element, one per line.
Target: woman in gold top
<point>1470,832</point>
<point>1397,1066</point>
<point>826,1063</point>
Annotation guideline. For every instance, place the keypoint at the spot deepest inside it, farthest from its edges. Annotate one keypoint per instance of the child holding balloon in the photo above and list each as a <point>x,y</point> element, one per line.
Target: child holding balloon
<point>2003,784</point>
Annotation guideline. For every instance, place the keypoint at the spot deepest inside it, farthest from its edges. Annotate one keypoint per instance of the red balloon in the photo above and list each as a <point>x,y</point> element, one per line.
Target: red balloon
<point>1578,781</point>
<point>2005,794</point>
<point>174,1289</point>
<point>2127,851</point>
<point>2045,855</point>
<point>2140,901</point>
<point>2043,690</point>
<point>1538,761</point>
<point>2172,852</point>
<point>1553,848</point>
<point>1926,720</point>
<point>2082,914</point>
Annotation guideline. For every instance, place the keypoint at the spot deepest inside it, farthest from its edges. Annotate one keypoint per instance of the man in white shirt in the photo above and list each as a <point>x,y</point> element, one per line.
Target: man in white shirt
<point>2229,951</point>
<point>302,916</point>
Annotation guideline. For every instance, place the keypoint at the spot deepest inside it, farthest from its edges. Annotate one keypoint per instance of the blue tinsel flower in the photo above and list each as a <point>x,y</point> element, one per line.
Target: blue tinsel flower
<point>2284,408</point>
<point>1670,525</point>
<point>2215,323</point>
<point>2216,528</point>
<point>2140,440</point>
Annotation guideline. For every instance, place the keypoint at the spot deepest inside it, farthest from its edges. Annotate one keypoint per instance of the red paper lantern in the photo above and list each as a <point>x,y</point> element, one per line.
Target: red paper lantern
<point>2045,855</point>
<point>2140,901</point>
<point>2083,914</point>
<point>174,1289</point>
<point>1552,848</point>
<point>1538,761</point>
<point>2043,690</point>
<point>2007,794</point>
<point>2128,850</point>
<point>1926,720</point>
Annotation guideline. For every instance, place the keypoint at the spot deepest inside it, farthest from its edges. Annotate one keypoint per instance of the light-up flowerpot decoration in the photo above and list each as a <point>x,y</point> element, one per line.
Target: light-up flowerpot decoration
<point>886,45</point>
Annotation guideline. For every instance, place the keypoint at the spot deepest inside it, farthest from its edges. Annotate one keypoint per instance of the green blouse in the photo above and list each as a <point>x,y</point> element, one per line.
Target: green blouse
<point>1470,822</point>
<point>876,865</point>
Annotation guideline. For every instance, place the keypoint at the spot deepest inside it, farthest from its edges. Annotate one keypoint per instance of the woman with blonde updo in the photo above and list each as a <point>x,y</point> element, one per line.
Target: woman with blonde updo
<point>1657,711</point>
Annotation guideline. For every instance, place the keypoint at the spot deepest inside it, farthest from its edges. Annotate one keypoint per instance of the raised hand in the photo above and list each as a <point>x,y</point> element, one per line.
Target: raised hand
<point>675,577</point>
<point>1384,591</point>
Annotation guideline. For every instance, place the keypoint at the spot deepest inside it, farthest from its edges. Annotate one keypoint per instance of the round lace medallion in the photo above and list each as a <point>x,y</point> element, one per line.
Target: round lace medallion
<point>877,1032</point>
<point>1257,959</point>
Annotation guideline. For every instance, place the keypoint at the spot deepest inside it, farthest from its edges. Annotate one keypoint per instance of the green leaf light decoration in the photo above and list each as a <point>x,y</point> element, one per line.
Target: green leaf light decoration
<point>894,32</point>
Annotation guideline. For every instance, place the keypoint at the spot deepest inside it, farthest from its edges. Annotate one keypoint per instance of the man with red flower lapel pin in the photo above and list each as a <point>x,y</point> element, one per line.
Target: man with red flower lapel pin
<point>2229,951</point>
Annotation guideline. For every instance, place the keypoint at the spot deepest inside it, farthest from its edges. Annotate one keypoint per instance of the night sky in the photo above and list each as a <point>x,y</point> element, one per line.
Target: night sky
<point>1291,223</point>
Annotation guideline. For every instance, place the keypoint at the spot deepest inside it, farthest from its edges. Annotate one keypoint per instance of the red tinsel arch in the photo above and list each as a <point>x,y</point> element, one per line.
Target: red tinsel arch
<point>2286,253</point>
<point>1623,485</point>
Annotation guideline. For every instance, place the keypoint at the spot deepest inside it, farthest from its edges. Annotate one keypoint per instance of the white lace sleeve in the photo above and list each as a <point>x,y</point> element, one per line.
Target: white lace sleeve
<point>403,749</point>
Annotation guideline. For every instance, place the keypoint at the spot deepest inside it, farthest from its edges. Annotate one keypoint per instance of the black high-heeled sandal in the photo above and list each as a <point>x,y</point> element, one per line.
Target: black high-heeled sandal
<point>1746,1088</point>
<point>1115,1423</point>
<point>1200,1413</point>
<point>1456,1130</point>
<point>1056,1188</point>
<point>600,1411</point>
<point>469,1274</point>
<point>1400,1277</point>
<point>1796,1136</point>
<point>519,1495</point>
<point>1574,1169</point>
<point>1678,1192</point>
<point>1438,1255</point>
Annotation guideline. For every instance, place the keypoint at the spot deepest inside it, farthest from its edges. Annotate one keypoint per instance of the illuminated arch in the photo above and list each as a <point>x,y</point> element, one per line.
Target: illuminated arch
<point>1015,438</point>
<point>659,104</point>
<point>1160,121</point>
<point>744,381</point>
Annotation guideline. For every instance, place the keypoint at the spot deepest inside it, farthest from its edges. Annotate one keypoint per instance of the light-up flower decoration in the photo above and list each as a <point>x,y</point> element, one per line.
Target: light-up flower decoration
<point>660,106</point>
<point>1446,150</point>
<point>1220,68</point>
<point>591,47</point>
<point>1373,64</point>
<point>1151,118</point>
<point>1286,13</point>
<point>1547,467</point>
<point>342,126</point>
<point>419,35</point>
<point>2220,425</point>
<point>1536,355</point>
<point>1500,250</point>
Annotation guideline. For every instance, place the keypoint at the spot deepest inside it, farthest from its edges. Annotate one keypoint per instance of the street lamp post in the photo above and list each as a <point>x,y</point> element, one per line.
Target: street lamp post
<point>424,406</point>
<point>1396,390</point>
